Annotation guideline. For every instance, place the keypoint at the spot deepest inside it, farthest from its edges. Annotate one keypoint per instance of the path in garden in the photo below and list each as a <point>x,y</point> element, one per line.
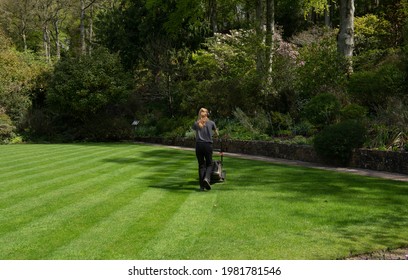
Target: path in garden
<point>359,171</point>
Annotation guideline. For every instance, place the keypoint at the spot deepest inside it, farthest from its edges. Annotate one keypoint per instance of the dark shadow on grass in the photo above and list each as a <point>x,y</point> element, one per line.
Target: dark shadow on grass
<point>185,186</point>
<point>153,158</point>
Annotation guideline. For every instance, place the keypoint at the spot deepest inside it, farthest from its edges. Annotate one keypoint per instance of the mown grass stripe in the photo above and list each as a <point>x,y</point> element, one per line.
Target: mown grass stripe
<point>123,228</point>
<point>77,183</point>
<point>43,225</point>
<point>48,163</point>
<point>52,172</point>
<point>181,231</point>
<point>61,176</point>
<point>109,230</point>
<point>16,152</point>
<point>17,161</point>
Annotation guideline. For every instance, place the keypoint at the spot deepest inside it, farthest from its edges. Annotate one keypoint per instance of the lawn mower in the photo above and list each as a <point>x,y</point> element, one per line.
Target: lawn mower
<point>218,173</point>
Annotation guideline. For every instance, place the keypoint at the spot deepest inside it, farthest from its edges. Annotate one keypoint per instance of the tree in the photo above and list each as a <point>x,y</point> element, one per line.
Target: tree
<point>19,18</point>
<point>18,74</point>
<point>345,39</point>
<point>86,5</point>
<point>87,92</point>
<point>270,29</point>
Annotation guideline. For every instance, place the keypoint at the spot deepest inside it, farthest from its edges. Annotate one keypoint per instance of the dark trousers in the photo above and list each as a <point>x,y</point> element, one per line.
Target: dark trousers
<point>204,152</point>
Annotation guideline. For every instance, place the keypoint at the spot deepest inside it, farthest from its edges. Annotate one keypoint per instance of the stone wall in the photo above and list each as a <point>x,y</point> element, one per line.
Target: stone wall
<point>396,162</point>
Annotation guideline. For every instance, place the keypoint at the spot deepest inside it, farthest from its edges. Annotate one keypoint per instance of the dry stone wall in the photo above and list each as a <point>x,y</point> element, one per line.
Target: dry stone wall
<point>396,162</point>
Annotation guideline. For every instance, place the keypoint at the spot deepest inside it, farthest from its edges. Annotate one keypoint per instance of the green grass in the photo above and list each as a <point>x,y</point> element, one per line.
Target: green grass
<point>130,201</point>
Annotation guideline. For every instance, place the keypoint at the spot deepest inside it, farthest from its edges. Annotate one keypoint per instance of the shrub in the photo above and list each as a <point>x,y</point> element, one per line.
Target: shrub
<point>303,128</point>
<point>336,142</point>
<point>235,130</point>
<point>6,128</point>
<point>371,32</point>
<point>322,110</point>
<point>84,92</point>
<point>374,88</point>
<point>353,112</point>
<point>321,69</point>
<point>379,135</point>
<point>19,73</point>
<point>280,123</point>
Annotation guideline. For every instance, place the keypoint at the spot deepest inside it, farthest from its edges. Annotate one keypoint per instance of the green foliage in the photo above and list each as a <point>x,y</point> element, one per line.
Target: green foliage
<point>399,142</point>
<point>281,95</point>
<point>390,120</point>
<point>322,110</point>
<point>318,6</point>
<point>381,136</point>
<point>303,128</point>
<point>371,32</point>
<point>173,127</point>
<point>241,127</point>
<point>336,142</point>
<point>322,68</point>
<point>353,112</point>
<point>146,29</point>
<point>373,41</point>
<point>18,74</point>
<point>280,123</point>
<point>373,88</point>
<point>87,84</point>
<point>223,76</point>
<point>6,128</point>
<point>85,92</point>
<point>244,127</point>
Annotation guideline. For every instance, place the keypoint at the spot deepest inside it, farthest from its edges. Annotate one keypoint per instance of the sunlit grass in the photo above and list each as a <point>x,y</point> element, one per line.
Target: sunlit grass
<point>132,201</point>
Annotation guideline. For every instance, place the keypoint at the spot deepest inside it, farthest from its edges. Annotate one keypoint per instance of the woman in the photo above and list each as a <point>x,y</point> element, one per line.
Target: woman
<point>204,128</point>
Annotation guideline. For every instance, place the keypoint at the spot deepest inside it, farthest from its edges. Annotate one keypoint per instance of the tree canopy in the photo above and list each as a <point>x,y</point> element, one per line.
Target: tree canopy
<point>73,70</point>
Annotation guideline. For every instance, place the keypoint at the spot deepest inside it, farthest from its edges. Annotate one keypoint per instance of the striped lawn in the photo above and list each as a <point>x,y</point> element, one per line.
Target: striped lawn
<point>133,201</point>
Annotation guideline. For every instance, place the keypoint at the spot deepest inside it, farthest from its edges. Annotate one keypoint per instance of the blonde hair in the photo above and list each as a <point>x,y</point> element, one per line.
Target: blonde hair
<point>202,117</point>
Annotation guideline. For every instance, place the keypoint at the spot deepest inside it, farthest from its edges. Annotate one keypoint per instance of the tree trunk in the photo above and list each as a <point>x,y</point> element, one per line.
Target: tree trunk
<point>328,14</point>
<point>24,36</point>
<point>213,15</point>
<point>46,43</point>
<point>259,26</point>
<point>270,26</point>
<point>82,27</point>
<point>90,30</point>
<point>57,40</point>
<point>345,40</point>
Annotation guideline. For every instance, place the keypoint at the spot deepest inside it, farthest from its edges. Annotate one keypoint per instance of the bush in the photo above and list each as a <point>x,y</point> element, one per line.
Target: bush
<point>6,128</point>
<point>371,32</point>
<point>321,69</point>
<point>19,73</point>
<point>335,143</point>
<point>380,135</point>
<point>374,88</point>
<point>85,92</point>
<point>235,130</point>
<point>303,128</point>
<point>280,123</point>
<point>322,110</point>
<point>353,112</point>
